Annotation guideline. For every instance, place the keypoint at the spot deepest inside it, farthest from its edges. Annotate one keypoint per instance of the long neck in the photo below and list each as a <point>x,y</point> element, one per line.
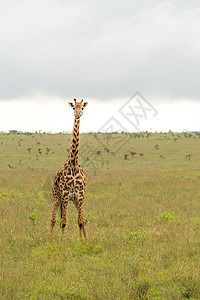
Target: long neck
<point>73,153</point>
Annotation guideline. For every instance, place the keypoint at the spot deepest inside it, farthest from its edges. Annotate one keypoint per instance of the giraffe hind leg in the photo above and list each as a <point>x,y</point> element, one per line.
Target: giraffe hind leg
<point>81,221</point>
<point>63,216</point>
<point>82,228</point>
<point>55,206</point>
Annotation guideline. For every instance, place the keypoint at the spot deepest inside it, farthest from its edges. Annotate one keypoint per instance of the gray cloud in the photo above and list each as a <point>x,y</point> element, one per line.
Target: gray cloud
<point>99,49</point>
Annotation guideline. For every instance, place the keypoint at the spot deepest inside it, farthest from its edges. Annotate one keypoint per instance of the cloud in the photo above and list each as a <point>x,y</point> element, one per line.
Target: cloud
<point>101,50</point>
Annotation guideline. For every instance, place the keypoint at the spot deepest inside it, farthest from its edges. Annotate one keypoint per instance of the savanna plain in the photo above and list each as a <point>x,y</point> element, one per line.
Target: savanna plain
<point>142,211</point>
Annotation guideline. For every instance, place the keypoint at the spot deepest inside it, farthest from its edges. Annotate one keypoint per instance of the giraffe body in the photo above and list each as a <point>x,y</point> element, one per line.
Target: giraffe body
<point>69,182</point>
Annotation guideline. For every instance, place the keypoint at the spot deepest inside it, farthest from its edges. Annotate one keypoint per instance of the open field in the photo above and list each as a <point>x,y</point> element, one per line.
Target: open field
<point>143,218</point>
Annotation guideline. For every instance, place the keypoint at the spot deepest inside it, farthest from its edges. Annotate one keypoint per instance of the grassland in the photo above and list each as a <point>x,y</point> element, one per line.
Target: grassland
<point>143,218</point>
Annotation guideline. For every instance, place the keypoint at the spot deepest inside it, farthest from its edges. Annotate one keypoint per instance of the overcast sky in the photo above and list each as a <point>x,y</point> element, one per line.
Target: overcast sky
<point>52,51</point>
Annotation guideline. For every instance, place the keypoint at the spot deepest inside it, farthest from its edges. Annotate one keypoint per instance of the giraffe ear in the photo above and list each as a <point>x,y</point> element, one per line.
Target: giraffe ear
<point>85,104</point>
<point>71,104</point>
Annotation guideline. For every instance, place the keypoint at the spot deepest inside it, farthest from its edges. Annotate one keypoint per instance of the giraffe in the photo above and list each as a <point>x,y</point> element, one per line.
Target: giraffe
<point>69,182</point>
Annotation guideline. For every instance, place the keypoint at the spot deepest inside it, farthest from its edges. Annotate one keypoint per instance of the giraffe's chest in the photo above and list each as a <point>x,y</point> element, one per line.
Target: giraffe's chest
<point>72,182</point>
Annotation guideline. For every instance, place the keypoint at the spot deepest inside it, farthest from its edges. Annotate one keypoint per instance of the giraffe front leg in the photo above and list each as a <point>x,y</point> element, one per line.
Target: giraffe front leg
<point>63,216</point>
<point>55,206</point>
<point>81,221</point>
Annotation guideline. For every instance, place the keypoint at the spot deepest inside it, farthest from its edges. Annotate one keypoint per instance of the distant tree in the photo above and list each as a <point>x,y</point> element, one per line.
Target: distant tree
<point>39,151</point>
<point>188,156</point>
<point>125,156</point>
<point>29,150</point>
<point>14,132</point>
<point>47,150</point>
<point>141,154</point>
<point>98,152</point>
<point>133,153</point>
<point>107,150</point>
<point>156,146</point>
<point>108,136</point>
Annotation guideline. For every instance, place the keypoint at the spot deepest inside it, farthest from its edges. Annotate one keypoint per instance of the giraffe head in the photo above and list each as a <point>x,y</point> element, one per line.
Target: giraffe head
<point>78,107</point>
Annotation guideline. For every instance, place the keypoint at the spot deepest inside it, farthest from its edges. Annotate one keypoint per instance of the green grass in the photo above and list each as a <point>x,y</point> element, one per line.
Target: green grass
<point>143,219</point>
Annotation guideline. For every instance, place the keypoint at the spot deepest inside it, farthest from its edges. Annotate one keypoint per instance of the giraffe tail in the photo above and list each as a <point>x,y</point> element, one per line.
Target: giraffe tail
<point>60,213</point>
